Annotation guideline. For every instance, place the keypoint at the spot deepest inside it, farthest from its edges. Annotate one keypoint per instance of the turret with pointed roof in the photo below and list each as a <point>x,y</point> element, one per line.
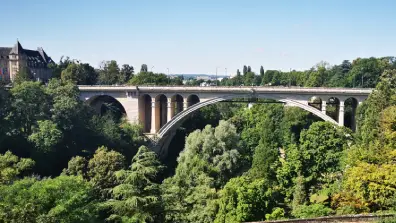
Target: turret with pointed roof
<point>17,49</point>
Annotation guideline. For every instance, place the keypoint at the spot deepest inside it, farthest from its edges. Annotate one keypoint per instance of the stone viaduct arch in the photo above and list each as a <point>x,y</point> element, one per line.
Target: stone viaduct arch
<point>161,110</point>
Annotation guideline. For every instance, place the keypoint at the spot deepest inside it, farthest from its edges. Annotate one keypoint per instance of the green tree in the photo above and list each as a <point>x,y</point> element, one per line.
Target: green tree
<point>57,68</point>
<point>210,158</point>
<point>77,166</point>
<point>366,72</point>
<point>102,170</point>
<point>268,134</point>
<point>243,199</point>
<point>29,105</point>
<point>149,78</point>
<point>79,73</point>
<point>368,183</point>
<point>321,149</point>
<point>245,70</point>
<point>12,167</point>
<point>62,199</point>
<point>109,73</point>
<point>317,76</point>
<point>4,110</point>
<point>368,114</point>
<point>23,74</point>
<point>267,78</point>
<point>249,79</point>
<point>126,73</point>
<point>137,197</point>
<point>46,136</point>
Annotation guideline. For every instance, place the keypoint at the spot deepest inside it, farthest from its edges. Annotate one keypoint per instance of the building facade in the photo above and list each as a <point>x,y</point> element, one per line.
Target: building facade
<point>12,59</point>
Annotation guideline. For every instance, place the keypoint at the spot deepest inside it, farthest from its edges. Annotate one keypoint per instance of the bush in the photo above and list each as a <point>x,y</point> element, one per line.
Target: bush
<point>277,213</point>
<point>311,211</point>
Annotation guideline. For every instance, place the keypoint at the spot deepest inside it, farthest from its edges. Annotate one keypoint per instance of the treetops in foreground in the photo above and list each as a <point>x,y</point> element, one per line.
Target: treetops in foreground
<point>361,72</point>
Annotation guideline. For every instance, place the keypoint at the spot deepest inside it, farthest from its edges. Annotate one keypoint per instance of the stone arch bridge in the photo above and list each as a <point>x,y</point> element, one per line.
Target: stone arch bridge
<point>162,109</point>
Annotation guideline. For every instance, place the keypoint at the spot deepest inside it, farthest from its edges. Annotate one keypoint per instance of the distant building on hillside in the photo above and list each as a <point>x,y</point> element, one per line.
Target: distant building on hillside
<point>205,78</point>
<point>15,58</point>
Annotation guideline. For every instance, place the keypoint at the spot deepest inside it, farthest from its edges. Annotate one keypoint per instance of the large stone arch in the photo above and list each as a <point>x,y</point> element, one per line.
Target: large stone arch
<point>102,103</point>
<point>178,119</point>
<point>166,133</point>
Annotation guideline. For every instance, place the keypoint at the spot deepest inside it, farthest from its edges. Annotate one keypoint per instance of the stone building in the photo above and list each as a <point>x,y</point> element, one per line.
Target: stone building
<point>12,59</point>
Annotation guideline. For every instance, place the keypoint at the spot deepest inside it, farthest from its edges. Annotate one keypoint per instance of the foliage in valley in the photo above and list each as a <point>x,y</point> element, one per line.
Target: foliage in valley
<point>63,161</point>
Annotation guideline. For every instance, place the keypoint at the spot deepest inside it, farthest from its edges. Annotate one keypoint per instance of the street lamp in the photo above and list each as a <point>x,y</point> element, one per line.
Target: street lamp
<point>152,68</point>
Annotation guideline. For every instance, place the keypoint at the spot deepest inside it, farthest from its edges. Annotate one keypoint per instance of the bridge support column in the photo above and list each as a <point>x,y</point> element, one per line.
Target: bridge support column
<point>356,124</point>
<point>185,103</point>
<point>153,116</point>
<point>324,107</point>
<point>341,114</point>
<point>169,113</point>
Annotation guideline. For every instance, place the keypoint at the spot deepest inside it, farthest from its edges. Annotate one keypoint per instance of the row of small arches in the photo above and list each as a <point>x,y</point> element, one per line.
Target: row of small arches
<point>164,109</point>
<point>333,106</point>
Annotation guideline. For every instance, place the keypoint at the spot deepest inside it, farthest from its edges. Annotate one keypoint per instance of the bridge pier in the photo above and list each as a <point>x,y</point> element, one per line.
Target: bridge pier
<point>185,103</point>
<point>323,106</point>
<point>153,116</point>
<point>170,110</point>
<point>341,114</point>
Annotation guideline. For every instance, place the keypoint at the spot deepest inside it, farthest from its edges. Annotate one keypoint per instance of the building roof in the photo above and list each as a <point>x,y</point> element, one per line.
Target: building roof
<point>5,51</point>
<point>17,49</point>
<point>35,58</point>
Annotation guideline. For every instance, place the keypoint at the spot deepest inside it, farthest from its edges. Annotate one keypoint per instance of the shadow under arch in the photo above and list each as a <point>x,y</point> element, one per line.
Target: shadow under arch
<point>351,105</point>
<point>106,104</point>
<point>176,104</point>
<point>161,111</point>
<point>144,104</point>
<point>192,100</point>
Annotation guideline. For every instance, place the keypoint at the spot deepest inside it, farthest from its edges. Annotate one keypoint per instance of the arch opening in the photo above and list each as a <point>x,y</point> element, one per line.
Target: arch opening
<point>145,112</point>
<point>161,111</point>
<point>192,100</point>
<point>166,133</point>
<point>350,106</point>
<point>178,119</point>
<point>107,105</point>
<point>176,104</point>
<point>333,108</point>
<point>315,102</point>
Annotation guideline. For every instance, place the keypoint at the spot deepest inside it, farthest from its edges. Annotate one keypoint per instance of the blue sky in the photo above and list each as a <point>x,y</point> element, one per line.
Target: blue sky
<point>189,36</point>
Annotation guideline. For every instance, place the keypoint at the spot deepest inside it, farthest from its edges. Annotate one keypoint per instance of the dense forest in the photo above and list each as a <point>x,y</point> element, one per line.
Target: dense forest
<point>60,161</point>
